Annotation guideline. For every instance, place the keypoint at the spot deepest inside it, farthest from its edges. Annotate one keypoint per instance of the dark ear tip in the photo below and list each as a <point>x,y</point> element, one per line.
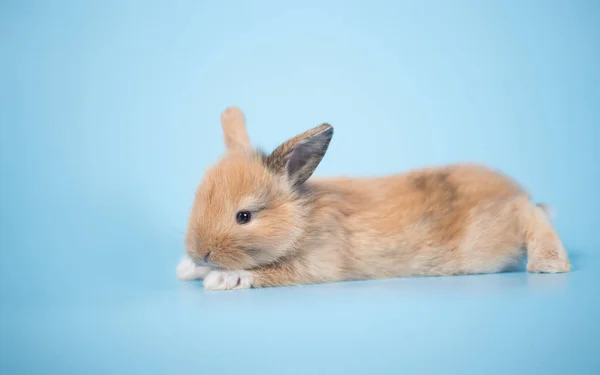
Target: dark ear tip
<point>326,128</point>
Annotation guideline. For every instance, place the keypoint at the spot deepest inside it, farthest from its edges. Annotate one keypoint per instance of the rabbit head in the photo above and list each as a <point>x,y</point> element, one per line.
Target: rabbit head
<point>249,210</point>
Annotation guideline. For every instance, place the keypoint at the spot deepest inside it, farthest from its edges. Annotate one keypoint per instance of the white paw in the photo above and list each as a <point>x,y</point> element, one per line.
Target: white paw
<point>188,270</point>
<point>227,280</point>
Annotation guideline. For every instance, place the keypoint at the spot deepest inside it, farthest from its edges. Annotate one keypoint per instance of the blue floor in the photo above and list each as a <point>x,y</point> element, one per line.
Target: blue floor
<point>494,324</point>
<point>109,115</point>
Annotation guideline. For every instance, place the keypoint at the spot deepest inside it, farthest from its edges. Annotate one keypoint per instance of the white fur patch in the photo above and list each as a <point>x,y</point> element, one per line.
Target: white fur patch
<point>227,280</point>
<point>188,270</point>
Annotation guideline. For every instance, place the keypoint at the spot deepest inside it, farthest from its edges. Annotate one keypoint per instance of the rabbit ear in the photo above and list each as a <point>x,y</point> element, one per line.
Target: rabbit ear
<point>299,157</point>
<point>235,134</point>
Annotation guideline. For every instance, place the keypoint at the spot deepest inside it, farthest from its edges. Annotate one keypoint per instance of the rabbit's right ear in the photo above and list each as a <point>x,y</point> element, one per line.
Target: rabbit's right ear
<point>298,158</point>
<point>235,134</point>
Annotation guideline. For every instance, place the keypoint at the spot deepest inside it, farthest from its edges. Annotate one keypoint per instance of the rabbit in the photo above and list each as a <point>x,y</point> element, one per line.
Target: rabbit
<point>260,220</point>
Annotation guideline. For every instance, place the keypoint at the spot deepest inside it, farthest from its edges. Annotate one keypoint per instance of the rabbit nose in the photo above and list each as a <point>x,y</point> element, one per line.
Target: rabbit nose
<point>205,259</point>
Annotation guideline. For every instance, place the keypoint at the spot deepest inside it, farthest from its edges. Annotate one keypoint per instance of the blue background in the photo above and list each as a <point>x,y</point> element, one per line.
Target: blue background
<point>109,114</point>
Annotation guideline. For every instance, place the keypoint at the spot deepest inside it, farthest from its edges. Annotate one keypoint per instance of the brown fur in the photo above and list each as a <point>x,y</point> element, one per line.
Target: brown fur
<point>458,219</point>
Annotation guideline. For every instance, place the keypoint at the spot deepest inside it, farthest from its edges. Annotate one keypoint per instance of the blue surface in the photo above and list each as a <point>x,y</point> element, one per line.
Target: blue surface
<point>109,116</point>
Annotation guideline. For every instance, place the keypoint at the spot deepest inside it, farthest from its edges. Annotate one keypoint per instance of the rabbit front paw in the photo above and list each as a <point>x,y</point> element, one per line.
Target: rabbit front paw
<point>188,270</point>
<point>228,280</point>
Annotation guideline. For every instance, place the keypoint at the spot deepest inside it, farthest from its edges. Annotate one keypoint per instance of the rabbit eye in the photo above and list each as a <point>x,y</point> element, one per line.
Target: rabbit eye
<point>243,217</point>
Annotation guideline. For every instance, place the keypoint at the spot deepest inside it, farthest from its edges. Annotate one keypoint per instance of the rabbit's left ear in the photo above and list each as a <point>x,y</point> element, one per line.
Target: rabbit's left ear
<point>299,157</point>
<point>235,134</point>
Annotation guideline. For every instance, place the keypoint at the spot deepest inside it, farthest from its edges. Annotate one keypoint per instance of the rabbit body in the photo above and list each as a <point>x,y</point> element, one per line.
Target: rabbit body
<point>451,220</point>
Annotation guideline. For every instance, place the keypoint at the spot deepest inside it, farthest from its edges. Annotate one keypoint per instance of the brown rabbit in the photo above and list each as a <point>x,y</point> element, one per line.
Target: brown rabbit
<point>258,220</point>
